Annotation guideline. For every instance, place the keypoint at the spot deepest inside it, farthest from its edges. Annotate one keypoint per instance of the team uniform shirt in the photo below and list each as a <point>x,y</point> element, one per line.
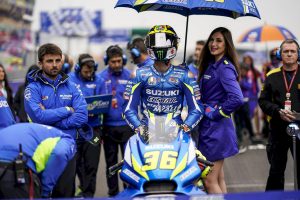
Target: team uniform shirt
<point>46,149</point>
<point>219,88</point>
<point>55,96</point>
<point>162,93</point>
<point>273,96</point>
<point>147,63</point>
<point>115,85</point>
<point>89,88</point>
<point>192,67</point>
<point>6,115</point>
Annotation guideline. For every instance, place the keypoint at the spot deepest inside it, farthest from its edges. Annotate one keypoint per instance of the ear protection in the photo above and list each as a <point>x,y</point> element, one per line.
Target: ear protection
<point>135,52</point>
<point>78,66</point>
<point>278,52</point>
<point>114,47</point>
<point>66,66</point>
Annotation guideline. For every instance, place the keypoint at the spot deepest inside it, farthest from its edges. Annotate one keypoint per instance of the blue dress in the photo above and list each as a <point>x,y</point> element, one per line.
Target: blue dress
<point>219,87</point>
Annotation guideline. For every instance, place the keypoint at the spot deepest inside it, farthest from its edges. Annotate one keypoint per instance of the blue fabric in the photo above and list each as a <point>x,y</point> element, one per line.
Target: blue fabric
<point>89,88</point>
<point>219,88</point>
<point>32,135</point>
<point>163,93</point>
<point>194,70</point>
<point>55,99</point>
<point>6,115</point>
<point>147,63</point>
<point>117,83</point>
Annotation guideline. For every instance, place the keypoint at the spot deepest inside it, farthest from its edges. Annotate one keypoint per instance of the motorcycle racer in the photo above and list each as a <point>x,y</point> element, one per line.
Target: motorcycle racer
<point>162,87</point>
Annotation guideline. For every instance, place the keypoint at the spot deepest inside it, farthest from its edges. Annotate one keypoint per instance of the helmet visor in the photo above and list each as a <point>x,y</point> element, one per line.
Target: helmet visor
<point>161,40</point>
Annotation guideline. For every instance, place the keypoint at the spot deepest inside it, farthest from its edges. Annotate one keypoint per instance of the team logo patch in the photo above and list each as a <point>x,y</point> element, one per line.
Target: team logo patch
<point>207,76</point>
<point>44,98</point>
<point>173,80</point>
<point>152,81</point>
<point>27,94</point>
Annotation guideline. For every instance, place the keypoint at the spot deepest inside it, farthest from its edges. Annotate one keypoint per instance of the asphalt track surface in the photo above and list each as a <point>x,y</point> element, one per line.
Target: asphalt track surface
<point>246,172</point>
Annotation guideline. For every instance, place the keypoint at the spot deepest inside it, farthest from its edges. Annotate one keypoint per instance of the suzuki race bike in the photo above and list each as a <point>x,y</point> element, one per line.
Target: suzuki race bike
<point>160,160</point>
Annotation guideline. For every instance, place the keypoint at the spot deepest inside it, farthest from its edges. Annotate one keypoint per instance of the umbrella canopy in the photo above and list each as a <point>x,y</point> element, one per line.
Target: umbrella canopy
<point>267,33</point>
<point>228,8</point>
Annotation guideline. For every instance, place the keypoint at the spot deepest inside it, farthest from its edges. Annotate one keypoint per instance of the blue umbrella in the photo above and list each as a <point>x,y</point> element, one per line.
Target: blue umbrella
<point>227,8</point>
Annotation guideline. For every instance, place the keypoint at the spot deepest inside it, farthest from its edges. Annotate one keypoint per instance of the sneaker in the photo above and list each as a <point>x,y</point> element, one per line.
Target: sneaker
<point>242,149</point>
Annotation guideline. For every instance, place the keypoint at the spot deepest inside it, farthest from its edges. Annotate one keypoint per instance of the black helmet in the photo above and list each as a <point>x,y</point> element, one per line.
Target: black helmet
<point>162,42</point>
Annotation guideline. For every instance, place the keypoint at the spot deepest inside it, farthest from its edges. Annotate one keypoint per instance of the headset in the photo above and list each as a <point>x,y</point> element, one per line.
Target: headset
<point>78,65</point>
<point>66,66</point>
<point>117,48</point>
<point>278,52</point>
<point>135,52</point>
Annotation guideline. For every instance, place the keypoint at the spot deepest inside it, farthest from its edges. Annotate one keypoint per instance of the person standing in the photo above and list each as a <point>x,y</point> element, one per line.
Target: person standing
<point>88,154</point>
<point>5,89</point>
<point>115,129</point>
<point>19,97</point>
<point>279,99</point>
<point>51,99</point>
<point>162,87</point>
<point>139,54</point>
<point>37,160</point>
<point>194,66</point>
<point>6,115</point>
<point>221,96</point>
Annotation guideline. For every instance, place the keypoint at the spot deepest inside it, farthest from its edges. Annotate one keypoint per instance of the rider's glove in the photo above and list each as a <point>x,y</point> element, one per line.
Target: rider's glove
<point>185,128</point>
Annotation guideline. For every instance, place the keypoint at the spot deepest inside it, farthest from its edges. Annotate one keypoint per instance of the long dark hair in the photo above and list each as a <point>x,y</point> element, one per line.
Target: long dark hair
<point>7,88</point>
<point>230,51</point>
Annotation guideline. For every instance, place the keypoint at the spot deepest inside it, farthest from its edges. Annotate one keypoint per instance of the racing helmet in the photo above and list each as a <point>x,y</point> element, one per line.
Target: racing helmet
<point>162,43</point>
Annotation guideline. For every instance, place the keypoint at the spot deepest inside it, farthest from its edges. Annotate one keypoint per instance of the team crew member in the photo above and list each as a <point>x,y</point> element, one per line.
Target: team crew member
<point>162,86</point>
<point>88,154</point>
<point>221,95</point>
<point>139,54</point>
<point>6,115</point>
<point>280,100</point>
<point>45,154</point>
<point>51,99</point>
<point>115,129</point>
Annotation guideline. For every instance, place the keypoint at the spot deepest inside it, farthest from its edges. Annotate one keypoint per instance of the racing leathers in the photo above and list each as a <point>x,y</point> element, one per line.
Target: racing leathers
<point>48,102</point>
<point>162,93</point>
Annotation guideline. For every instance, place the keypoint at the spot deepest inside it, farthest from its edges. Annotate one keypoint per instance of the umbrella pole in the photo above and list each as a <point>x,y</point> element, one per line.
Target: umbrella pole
<point>185,41</point>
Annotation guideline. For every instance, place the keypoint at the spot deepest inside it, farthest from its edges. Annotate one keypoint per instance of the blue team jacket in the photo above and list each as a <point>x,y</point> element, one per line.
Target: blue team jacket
<point>117,84</point>
<point>219,88</point>
<point>163,93</point>
<point>55,96</point>
<point>47,149</point>
<point>6,115</point>
<point>89,88</point>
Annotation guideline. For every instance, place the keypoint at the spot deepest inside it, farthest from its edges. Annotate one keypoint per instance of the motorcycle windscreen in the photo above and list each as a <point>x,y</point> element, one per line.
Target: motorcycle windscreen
<point>159,129</point>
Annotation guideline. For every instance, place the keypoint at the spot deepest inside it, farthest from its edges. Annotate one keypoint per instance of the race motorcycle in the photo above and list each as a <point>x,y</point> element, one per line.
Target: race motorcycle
<point>160,160</point>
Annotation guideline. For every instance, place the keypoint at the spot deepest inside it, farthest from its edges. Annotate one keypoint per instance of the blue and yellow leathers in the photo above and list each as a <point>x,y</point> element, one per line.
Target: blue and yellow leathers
<point>163,93</point>
<point>46,149</point>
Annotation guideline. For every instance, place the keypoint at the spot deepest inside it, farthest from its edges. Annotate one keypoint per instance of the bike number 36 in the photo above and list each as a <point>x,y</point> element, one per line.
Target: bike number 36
<point>163,160</point>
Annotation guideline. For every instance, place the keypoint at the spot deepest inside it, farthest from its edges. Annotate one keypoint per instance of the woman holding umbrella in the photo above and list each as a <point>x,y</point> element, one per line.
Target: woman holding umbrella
<point>221,95</point>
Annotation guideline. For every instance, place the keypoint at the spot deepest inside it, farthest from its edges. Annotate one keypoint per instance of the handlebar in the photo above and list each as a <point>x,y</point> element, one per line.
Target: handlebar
<point>206,162</point>
<point>113,169</point>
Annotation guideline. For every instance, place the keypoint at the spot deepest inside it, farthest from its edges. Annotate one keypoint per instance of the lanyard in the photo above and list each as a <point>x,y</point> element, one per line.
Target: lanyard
<point>288,87</point>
